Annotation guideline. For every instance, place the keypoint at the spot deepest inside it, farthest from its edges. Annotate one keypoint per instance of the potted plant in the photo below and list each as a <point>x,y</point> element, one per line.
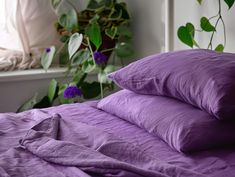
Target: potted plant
<point>92,41</point>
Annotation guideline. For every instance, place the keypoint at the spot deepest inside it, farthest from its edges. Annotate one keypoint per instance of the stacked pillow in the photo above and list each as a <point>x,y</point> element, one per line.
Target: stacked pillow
<point>185,97</point>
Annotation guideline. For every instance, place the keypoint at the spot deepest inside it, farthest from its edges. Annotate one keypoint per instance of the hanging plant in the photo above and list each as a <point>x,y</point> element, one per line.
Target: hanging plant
<point>186,33</point>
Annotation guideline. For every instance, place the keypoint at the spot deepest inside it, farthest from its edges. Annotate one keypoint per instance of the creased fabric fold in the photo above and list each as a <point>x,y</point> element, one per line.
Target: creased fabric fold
<point>114,157</point>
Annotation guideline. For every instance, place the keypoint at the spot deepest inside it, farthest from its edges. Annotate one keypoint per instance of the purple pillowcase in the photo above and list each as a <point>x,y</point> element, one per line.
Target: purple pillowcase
<point>203,78</point>
<point>181,125</point>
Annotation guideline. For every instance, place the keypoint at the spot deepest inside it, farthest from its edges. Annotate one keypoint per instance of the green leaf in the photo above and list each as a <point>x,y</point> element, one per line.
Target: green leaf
<point>124,31</point>
<point>55,3</point>
<point>199,1</point>
<point>94,34</point>
<point>62,87</point>
<point>81,56</point>
<point>94,19</point>
<point>229,3</point>
<point>124,49</point>
<point>110,68</point>
<point>88,66</point>
<point>102,78</point>
<point>121,8</point>
<point>64,55</point>
<point>47,57</point>
<point>185,36</point>
<point>116,13</point>
<point>82,79</point>
<point>111,32</point>
<point>43,103</point>
<point>90,90</point>
<point>72,20</point>
<point>63,20</point>
<point>28,104</point>
<point>219,48</point>
<point>191,29</point>
<point>52,90</point>
<point>107,3</point>
<point>64,38</point>
<point>93,5</point>
<point>69,20</point>
<point>77,76</point>
<point>65,100</point>
<point>75,42</point>
<point>206,25</point>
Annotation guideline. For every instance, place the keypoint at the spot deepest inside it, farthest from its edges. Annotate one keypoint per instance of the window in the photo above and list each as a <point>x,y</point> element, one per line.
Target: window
<point>2,13</point>
<point>2,23</point>
<point>21,34</point>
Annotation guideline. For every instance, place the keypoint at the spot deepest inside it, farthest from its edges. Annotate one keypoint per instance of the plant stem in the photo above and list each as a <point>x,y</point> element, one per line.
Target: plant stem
<point>61,47</point>
<point>212,35</point>
<point>82,79</point>
<point>84,44</point>
<point>213,16</point>
<point>107,50</point>
<point>222,20</point>
<point>89,45</point>
<point>210,46</point>
<point>199,30</point>
<point>101,86</point>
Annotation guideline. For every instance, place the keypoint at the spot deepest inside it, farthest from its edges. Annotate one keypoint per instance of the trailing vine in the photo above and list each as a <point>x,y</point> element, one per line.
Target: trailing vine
<point>186,33</point>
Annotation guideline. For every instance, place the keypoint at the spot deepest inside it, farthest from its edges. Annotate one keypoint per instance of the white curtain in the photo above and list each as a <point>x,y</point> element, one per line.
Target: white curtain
<point>28,30</point>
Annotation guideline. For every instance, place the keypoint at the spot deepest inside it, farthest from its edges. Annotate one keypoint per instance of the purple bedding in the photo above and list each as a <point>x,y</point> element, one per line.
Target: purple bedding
<point>80,140</point>
<point>203,78</point>
<point>180,125</point>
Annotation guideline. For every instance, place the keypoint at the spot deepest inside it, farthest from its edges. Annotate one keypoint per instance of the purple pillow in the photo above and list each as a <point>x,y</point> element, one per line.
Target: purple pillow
<point>181,125</point>
<point>203,78</point>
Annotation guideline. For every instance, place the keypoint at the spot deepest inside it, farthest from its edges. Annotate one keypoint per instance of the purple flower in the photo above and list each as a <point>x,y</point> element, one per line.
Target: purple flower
<point>48,50</point>
<point>72,92</point>
<point>100,58</point>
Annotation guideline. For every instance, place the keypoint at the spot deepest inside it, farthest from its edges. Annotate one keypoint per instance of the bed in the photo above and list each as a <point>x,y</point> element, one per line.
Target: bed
<point>84,124</point>
<point>150,128</point>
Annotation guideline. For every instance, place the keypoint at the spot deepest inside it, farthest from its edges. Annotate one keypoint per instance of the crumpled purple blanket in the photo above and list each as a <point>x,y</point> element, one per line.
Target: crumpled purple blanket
<point>50,150</point>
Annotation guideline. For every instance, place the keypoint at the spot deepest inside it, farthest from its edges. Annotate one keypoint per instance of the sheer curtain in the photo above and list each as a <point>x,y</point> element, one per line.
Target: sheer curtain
<point>27,27</point>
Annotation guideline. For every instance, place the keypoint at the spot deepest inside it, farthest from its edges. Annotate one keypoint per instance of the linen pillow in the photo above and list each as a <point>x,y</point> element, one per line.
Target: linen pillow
<point>203,78</point>
<point>182,126</point>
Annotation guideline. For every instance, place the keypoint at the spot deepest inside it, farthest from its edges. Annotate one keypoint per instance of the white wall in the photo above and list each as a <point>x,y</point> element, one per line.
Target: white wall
<point>147,25</point>
<point>19,86</point>
<point>15,93</point>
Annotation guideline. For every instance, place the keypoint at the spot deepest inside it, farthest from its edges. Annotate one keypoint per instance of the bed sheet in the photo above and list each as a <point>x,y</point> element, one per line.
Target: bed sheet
<point>211,163</point>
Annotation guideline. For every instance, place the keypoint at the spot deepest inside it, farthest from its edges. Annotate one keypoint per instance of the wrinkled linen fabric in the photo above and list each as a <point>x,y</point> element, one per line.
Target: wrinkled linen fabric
<point>200,77</point>
<point>29,29</point>
<point>40,153</point>
<point>182,126</point>
<point>94,152</point>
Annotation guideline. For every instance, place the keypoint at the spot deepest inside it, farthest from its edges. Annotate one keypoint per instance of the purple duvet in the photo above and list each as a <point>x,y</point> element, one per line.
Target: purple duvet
<point>78,140</point>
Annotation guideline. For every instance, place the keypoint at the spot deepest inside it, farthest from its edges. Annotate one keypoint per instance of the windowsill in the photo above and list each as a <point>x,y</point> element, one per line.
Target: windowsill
<point>36,74</point>
<point>32,74</point>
